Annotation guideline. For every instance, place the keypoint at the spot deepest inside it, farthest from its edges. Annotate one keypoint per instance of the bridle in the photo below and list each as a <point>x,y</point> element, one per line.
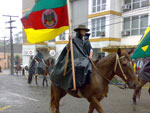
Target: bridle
<point>120,67</point>
<point>117,63</point>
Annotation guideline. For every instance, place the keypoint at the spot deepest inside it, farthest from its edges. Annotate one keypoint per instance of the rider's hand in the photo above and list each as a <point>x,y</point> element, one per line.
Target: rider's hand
<point>90,57</point>
<point>70,37</point>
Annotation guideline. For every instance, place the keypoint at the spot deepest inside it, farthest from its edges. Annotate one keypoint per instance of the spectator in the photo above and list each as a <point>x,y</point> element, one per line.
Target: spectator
<point>139,65</point>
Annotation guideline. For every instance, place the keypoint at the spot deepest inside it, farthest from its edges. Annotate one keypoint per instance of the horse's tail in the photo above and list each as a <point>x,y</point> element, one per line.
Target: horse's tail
<point>30,78</point>
<point>52,102</point>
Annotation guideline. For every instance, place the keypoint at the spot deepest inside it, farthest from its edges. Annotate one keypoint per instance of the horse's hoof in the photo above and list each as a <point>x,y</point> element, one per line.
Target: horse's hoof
<point>134,100</point>
<point>149,91</point>
<point>134,103</point>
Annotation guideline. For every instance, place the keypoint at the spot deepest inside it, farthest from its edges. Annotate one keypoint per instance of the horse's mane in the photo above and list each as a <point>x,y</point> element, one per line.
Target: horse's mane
<point>105,59</point>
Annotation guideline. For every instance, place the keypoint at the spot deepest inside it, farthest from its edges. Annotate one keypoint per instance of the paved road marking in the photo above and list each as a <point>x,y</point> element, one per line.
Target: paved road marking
<point>6,107</point>
<point>22,96</point>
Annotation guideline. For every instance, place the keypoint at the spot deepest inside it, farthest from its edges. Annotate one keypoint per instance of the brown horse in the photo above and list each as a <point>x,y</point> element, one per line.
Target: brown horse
<point>46,72</point>
<point>103,71</point>
<point>17,69</point>
<point>137,91</point>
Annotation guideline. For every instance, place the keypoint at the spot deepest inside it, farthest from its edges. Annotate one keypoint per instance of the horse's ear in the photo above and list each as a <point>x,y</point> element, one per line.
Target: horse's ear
<point>131,51</point>
<point>119,52</point>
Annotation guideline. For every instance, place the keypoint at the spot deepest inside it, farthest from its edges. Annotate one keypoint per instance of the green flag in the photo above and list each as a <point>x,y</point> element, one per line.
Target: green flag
<point>143,48</point>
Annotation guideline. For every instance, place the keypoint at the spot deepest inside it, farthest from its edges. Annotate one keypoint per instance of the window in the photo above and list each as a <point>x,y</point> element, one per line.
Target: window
<point>136,24</point>
<point>62,36</point>
<point>135,4</point>
<point>127,1</point>
<point>98,5</point>
<point>98,25</point>
<point>144,3</point>
<point>126,24</point>
<point>144,23</point>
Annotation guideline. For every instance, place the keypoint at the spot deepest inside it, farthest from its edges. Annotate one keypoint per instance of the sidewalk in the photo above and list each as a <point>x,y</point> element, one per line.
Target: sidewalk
<point>5,72</point>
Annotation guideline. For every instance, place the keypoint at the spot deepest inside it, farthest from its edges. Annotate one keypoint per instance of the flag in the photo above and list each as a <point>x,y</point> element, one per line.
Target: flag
<point>46,20</point>
<point>143,48</point>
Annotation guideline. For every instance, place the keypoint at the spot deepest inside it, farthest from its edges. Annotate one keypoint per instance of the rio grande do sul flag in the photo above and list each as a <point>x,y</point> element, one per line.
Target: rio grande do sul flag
<point>143,48</point>
<point>46,20</point>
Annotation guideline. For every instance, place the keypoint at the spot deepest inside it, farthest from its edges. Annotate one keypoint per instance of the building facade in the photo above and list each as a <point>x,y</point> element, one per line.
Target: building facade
<point>5,53</point>
<point>117,23</point>
<point>112,23</point>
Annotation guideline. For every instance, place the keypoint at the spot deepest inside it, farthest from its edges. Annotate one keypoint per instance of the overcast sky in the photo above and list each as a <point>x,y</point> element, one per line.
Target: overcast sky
<point>10,7</point>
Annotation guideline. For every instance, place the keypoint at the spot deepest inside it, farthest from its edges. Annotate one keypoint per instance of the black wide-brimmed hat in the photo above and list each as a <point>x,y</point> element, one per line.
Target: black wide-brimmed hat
<point>81,27</point>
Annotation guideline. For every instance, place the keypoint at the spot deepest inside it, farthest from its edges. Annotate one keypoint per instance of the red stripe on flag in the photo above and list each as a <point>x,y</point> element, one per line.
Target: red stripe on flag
<point>35,19</point>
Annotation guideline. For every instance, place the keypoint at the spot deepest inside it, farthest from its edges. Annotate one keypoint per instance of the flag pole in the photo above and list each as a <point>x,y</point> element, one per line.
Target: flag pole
<point>71,47</point>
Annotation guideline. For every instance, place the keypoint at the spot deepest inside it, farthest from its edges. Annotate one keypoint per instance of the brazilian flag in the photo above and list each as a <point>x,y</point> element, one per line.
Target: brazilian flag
<point>143,48</point>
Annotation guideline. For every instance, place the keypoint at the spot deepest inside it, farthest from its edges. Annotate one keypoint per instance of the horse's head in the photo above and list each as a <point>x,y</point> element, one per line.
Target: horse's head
<point>124,68</point>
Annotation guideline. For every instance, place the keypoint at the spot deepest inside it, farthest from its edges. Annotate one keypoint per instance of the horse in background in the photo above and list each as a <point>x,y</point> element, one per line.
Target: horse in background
<point>137,91</point>
<point>46,71</point>
<point>18,69</point>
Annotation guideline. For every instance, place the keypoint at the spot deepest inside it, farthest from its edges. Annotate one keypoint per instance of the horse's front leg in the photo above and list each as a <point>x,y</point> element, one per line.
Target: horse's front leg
<point>36,80</point>
<point>56,95</point>
<point>137,91</point>
<point>43,81</point>
<point>91,109</point>
<point>149,89</point>
<point>46,81</point>
<point>94,103</point>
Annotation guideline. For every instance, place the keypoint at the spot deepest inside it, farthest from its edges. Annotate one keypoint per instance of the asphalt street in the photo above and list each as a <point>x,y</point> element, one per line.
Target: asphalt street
<point>16,96</point>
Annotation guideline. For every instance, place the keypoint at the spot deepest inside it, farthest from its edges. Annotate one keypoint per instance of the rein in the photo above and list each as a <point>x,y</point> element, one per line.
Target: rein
<point>116,64</point>
<point>100,73</point>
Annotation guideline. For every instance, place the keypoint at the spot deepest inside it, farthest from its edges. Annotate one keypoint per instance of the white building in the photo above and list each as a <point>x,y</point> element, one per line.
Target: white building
<point>113,23</point>
<point>117,23</point>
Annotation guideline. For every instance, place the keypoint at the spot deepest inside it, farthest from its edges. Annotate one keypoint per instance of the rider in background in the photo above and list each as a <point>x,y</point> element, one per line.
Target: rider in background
<point>139,66</point>
<point>39,59</point>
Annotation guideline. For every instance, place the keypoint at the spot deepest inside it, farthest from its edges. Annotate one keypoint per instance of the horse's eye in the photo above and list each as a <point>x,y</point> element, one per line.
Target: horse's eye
<point>124,65</point>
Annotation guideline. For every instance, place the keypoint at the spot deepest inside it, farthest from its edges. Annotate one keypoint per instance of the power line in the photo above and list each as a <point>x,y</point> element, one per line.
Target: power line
<point>109,19</point>
<point>113,23</point>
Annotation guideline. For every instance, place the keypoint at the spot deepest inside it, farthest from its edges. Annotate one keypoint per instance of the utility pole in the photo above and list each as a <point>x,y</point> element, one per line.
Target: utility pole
<point>11,41</point>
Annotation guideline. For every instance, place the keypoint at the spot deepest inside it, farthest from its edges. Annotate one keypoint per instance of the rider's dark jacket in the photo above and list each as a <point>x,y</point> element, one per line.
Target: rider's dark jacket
<point>83,68</point>
<point>32,66</point>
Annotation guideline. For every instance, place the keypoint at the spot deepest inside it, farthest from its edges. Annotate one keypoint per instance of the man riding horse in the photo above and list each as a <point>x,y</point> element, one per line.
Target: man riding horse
<point>39,60</point>
<point>83,52</point>
<point>83,38</point>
